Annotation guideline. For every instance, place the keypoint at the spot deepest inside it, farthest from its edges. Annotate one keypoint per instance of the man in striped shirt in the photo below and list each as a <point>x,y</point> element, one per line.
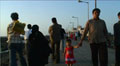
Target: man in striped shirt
<point>15,43</point>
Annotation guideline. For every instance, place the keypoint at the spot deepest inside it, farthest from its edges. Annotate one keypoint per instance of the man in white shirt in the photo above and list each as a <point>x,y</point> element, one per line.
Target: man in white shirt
<point>26,38</point>
<point>28,32</point>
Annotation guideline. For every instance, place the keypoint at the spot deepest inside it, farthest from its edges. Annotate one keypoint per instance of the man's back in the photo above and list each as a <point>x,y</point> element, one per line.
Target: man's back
<point>12,36</point>
<point>55,33</point>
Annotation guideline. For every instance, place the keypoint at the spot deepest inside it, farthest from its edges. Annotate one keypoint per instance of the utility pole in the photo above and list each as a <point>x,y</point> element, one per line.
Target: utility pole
<point>95,3</point>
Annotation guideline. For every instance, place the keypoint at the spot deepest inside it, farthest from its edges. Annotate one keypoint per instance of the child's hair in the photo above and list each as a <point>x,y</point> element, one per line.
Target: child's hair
<point>68,40</point>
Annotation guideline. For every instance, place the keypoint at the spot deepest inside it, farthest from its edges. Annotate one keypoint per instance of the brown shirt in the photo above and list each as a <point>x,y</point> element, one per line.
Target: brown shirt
<point>55,32</point>
<point>97,31</point>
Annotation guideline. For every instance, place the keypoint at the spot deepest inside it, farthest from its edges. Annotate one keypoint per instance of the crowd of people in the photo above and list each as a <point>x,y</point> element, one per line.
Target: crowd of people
<point>38,50</point>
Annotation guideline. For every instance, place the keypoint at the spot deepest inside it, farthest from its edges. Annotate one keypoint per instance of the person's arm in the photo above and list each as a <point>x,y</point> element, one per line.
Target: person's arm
<point>50,30</point>
<point>84,33</point>
<point>8,34</point>
<point>106,34</point>
<point>76,46</point>
<point>7,30</point>
<point>30,38</point>
<point>64,52</point>
<point>64,31</point>
<point>114,34</point>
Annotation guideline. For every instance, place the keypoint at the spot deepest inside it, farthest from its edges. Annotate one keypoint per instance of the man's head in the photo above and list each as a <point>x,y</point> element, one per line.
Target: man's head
<point>54,20</point>
<point>96,13</point>
<point>29,26</point>
<point>14,16</point>
<point>119,15</point>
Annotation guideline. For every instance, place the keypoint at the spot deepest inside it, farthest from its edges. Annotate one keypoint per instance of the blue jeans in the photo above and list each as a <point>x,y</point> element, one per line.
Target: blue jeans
<point>16,48</point>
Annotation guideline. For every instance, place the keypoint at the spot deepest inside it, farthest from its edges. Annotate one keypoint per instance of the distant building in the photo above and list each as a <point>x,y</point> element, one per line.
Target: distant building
<point>78,29</point>
<point>81,30</point>
<point>74,30</point>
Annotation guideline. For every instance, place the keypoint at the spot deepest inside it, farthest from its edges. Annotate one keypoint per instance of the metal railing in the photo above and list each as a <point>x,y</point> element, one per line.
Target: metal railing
<point>4,58</point>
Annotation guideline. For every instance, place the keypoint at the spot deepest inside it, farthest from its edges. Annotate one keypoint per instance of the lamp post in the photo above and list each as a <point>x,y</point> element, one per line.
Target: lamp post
<point>88,6</point>
<point>72,24</point>
<point>95,3</point>
<point>77,20</point>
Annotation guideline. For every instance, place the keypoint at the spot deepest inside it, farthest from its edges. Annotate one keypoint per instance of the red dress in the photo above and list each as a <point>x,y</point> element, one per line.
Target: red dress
<point>69,56</point>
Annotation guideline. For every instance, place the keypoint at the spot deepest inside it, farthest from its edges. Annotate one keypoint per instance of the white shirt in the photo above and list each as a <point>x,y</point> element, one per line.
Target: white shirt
<point>27,33</point>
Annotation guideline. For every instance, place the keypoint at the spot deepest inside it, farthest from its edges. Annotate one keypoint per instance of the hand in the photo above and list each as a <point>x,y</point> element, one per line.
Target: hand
<point>77,46</point>
<point>80,44</point>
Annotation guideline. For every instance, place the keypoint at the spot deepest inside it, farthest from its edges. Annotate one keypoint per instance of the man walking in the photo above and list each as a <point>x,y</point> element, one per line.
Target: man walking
<point>28,32</point>
<point>15,43</point>
<point>26,37</point>
<point>98,35</point>
<point>117,41</point>
<point>55,37</point>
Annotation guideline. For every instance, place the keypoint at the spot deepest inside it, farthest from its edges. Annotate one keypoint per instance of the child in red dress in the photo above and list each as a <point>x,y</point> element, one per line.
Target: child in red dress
<point>68,53</point>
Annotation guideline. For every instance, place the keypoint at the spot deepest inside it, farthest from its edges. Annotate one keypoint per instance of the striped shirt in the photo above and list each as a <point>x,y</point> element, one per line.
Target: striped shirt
<point>12,36</point>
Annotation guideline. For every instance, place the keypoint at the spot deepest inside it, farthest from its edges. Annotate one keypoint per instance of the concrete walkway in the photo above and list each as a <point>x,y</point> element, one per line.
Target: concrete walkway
<point>83,56</point>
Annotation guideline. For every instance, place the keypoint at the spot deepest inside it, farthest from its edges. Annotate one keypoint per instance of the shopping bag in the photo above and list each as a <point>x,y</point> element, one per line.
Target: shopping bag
<point>19,27</point>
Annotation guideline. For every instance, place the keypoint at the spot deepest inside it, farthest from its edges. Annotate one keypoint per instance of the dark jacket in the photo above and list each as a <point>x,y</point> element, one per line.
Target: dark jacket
<point>117,34</point>
<point>39,49</point>
<point>62,33</point>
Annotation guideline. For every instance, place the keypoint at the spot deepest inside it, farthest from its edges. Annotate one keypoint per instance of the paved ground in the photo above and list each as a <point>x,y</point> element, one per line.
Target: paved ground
<point>83,56</point>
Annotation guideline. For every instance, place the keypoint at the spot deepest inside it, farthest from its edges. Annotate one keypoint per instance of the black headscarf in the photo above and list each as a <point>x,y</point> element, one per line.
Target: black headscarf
<point>35,28</point>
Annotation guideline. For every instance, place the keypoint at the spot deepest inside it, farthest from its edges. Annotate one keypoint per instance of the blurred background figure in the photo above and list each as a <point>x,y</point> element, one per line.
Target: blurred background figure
<point>55,37</point>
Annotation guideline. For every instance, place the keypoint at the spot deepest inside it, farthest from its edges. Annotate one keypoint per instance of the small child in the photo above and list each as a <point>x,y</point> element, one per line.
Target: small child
<point>68,53</point>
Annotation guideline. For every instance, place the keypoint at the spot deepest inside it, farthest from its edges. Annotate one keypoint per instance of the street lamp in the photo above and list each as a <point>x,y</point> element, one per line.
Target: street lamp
<point>72,24</point>
<point>77,20</point>
<point>95,3</point>
<point>88,6</point>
